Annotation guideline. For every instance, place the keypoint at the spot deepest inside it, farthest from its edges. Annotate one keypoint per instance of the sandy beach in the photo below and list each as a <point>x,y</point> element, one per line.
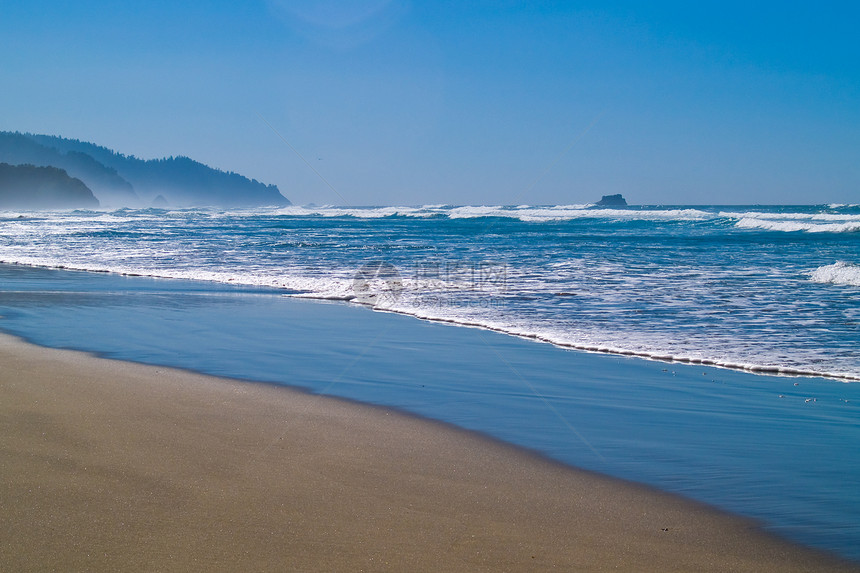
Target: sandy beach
<point>109,465</point>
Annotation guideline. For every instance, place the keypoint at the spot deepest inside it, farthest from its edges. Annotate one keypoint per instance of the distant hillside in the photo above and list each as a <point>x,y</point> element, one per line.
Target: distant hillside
<point>32,187</point>
<point>17,148</point>
<point>174,181</point>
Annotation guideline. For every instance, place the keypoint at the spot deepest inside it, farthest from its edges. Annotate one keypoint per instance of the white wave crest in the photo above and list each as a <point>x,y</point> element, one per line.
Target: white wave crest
<point>828,217</point>
<point>526,213</point>
<point>796,224</point>
<point>569,212</point>
<point>840,273</point>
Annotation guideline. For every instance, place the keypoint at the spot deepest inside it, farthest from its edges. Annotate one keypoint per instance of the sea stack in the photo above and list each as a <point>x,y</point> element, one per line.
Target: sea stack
<point>612,201</point>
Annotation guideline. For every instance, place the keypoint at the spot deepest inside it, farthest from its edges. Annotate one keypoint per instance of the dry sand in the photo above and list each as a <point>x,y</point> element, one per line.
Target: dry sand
<point>108,465</point>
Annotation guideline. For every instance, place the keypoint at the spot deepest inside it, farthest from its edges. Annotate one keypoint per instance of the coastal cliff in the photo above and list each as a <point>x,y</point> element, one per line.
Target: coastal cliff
<point>32,187</point>
<point>126,181</point>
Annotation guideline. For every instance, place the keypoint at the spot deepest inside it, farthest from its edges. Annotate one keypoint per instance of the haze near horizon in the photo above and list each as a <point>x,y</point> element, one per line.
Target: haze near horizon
<point>391,102</point>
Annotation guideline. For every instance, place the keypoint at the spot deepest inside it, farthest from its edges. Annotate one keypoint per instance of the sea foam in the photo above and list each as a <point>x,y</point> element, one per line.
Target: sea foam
<point>839,273</point>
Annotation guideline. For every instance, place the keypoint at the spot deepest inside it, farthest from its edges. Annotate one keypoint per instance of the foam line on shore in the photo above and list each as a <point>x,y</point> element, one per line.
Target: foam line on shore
<point>341,289</point>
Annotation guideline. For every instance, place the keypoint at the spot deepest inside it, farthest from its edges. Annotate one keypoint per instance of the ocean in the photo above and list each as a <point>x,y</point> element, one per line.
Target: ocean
<point>708,351</point>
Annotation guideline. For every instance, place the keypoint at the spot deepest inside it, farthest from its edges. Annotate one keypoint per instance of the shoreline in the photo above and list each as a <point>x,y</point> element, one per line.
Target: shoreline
<point>756,369</point>
<point>112,464</point>
<point>733,441</point>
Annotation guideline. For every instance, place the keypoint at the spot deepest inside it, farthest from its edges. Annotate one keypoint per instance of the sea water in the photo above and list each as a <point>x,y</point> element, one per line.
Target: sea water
<point>701,292</point>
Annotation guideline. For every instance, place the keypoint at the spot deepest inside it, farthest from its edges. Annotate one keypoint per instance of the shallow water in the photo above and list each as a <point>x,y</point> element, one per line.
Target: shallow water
<point>781,449</point>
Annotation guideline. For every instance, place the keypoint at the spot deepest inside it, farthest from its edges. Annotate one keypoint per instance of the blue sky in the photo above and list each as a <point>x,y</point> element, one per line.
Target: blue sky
<point>397,102</point>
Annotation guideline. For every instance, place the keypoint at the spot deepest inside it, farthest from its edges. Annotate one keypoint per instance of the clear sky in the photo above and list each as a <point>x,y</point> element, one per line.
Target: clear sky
<point>487,102</point>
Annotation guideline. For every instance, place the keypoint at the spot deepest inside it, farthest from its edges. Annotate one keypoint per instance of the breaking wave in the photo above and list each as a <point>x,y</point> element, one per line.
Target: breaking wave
<point>840,273</point>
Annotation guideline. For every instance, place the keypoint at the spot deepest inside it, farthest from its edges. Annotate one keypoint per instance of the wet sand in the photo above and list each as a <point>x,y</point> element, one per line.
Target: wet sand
<point>109,465</point>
